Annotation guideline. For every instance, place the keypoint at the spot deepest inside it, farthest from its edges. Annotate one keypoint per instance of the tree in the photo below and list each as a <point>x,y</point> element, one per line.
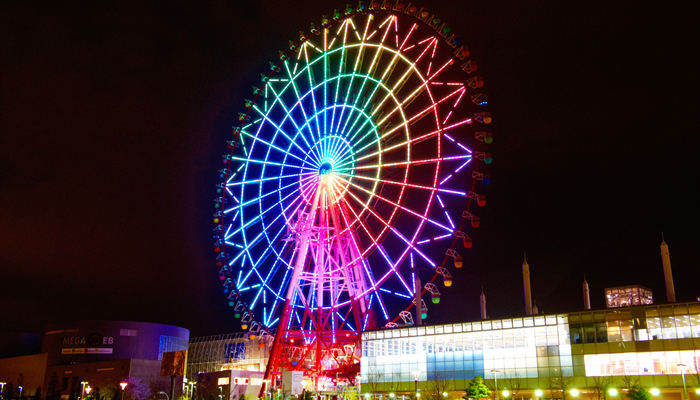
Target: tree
<point>374,377</point>
<point>628,381</point>
<point>477,389</point>
<point>135,390</point>
<point>54,389</point>
<point>513,383</point>
<point>599,386</point>
<point>37,394</point>
<point>637,392</point>
<point>8,391</point>
<point>156,386</point>
<point>436,387</point>
<point>559,383</point>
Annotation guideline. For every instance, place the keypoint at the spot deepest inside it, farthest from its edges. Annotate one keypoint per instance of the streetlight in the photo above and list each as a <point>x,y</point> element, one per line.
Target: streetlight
<point>416,374</point>
<point>82,389</point>
<point>88,389</point>
<point>505,393</point>
<point>2,386</point>
<point>574,392</point>
<point>166,395</point>
<point>612,391</point>
<point>20,392</point>
<point>655,392</point>
<point>685,389</point>
<point>123,386</point>
<point>495,373</point>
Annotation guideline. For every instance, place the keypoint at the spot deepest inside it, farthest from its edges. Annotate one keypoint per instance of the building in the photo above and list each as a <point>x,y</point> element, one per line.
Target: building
<point>98,354</point>
<point>625,296</point>
<point>657,344</point>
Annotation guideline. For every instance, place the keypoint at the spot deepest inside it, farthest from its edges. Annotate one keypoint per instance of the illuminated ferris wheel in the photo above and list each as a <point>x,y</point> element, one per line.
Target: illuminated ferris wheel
<point>354,172</point>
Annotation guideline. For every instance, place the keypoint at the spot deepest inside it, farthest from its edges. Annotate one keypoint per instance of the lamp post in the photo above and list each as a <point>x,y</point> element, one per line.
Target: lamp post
<point>82,388</point>
<point>495,373</point>
<point>415,374</point>
<point>685,388</point>
<point>88,389</point>
<point>166,395</point>
<point>123,386</point>
<point>2,387</point>
<point>20,392</point>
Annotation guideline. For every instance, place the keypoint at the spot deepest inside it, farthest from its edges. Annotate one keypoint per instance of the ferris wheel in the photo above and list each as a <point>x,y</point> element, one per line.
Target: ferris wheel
<point>354,173</point>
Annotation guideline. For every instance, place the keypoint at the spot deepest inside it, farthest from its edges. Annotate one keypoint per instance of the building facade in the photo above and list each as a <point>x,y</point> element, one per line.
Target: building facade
<point>658,345</point>
<point>99,354</point>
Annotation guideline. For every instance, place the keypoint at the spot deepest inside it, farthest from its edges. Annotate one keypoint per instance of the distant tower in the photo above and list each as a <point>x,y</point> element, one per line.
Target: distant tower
<point>526,286</point>
<point>483,304</point>
<point>586,294</point>
<point>535,310</point>
<point>666,259</point>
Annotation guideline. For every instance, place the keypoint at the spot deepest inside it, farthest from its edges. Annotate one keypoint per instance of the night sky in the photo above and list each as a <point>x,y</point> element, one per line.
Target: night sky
<point>113,117</point>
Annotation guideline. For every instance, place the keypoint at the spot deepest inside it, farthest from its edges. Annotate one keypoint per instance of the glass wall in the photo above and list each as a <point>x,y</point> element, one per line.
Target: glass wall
<point>528,347</point>
<point>636,341</point>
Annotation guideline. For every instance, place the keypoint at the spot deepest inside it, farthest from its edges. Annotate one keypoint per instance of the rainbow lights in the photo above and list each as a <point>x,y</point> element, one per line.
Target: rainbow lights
<point>344,148</point>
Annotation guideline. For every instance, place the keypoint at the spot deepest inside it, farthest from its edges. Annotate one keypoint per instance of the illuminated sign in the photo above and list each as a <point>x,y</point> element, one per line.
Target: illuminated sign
<point>240,381</point>
<point>223,381</point>
<point>94,339</point>
<point>87,350</point>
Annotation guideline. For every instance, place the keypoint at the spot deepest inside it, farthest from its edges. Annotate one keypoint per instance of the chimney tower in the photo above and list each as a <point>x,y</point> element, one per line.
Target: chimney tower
<point>666,259</point>
<point>586,294</point>
<point>526,286</point>
<point>482,299</point>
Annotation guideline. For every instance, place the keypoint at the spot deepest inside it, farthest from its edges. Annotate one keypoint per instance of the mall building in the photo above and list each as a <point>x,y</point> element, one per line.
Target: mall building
<point>92,354</point>
<point>658,345</point>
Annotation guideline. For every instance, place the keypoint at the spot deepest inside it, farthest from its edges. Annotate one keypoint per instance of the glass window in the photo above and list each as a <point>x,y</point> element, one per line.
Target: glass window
<point>588,333</point>
<point>478,341</point>
<point>668,327</point>
<point>695,325</point>
<point>552,335</point>
<point>507,323</point>
<point>601,332</point>
<point>517,323</point>
<point>439,330</point>
<point>576,333</point>
<point>476,326</point>
<point>539,320</point>
<point>683,326</point>
<point>551,319</point>
<point>488,340</point>
<point>528,321</point>
<point>467,327</point>
<point>508,340</point>
<point>626,329</point>
<point>457,327</point>
<point>614,331</point>
<point>486,325</point>
<point>497,339</point>
<point>541,336</point>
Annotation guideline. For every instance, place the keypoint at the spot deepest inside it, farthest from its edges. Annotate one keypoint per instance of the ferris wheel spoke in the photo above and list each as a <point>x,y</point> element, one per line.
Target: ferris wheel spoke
<point>269,193</point>
<point>280,101</point>
<point>407,163</point>
<point>310,75</point>
<point>396,205</point>
<point>266,162</point>
<point>286,153</point>
<point>405,185</point>
<point>272,207</point>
